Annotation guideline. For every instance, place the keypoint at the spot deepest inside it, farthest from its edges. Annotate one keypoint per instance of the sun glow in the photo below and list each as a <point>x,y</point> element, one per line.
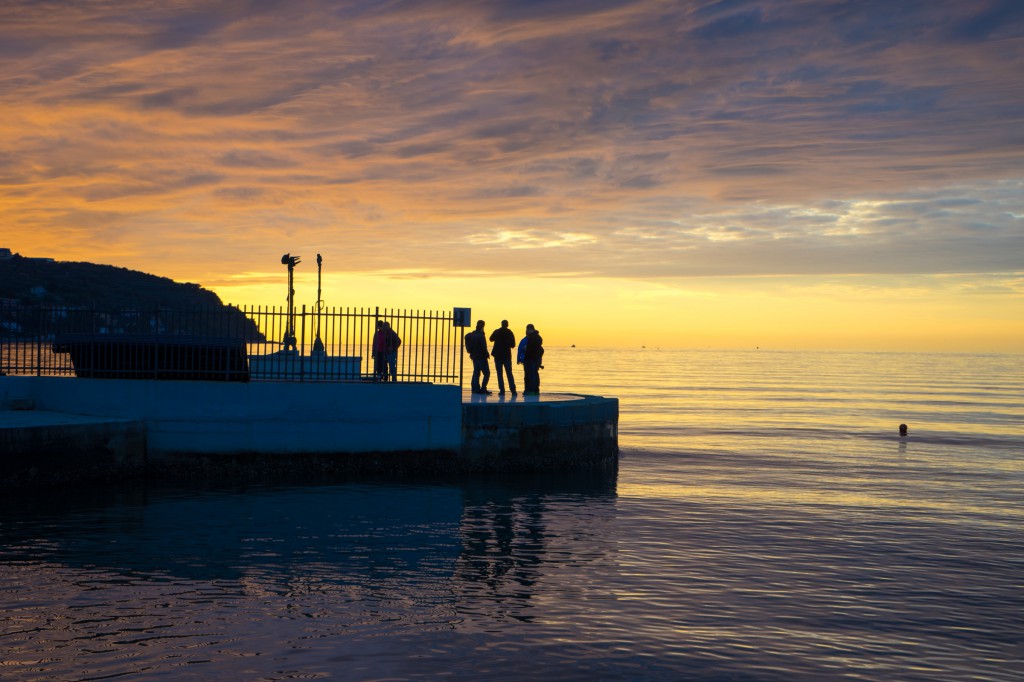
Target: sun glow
<point>793,313</point>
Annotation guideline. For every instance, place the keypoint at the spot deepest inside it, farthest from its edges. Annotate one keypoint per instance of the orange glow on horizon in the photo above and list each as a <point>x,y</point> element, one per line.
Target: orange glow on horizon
<point>779,313</point>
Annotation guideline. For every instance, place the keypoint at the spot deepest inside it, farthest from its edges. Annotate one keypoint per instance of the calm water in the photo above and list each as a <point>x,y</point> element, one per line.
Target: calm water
<point>766,523</point>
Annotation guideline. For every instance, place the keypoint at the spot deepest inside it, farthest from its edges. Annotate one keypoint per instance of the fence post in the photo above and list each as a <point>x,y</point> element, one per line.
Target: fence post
<point>302,346</point>
<point>39,345</point>
<point>156,345</point>
<point>462,355</point>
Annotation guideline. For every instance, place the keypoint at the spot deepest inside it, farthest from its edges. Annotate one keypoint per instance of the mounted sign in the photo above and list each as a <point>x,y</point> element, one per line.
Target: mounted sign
<point>461,317</point>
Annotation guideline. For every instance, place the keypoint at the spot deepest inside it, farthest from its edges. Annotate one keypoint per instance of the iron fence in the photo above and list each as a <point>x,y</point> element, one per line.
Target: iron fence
<point>231,344</point>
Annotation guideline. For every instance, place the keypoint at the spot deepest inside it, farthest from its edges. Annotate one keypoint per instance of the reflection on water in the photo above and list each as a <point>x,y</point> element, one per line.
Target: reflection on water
<point>155,581</point>
<point>222,535</point>
<point>772,528</point>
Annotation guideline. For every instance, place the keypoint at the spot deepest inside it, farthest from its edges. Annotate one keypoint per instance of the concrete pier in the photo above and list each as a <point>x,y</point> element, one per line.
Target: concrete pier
<point>61,430</point>
<point>49,448</point>
<point>539,433</point>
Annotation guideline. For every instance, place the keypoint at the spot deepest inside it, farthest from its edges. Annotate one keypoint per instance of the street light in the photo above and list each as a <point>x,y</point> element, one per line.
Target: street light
<point>318,344</point>
<point>289,332</point>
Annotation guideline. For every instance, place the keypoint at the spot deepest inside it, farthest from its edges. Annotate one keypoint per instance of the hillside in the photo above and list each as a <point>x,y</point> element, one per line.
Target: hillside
<point>35,280</point>
<point>31,282</point>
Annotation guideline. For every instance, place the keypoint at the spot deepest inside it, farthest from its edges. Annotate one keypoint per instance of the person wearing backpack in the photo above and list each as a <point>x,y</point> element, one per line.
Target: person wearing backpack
<point>531,354</point>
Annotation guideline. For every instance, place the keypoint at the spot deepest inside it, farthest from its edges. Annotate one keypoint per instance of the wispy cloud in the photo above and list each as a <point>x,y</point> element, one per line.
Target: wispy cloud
<point>623,139</point>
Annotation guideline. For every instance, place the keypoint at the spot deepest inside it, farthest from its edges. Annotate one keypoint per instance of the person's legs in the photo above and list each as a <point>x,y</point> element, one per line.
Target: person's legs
<point>501,379</point>
<point>481,374</point>
<point>393,365</point>
<point>532,376</point>
<point>506,367</point>
<point>475,383</point>
<point>485,366</point>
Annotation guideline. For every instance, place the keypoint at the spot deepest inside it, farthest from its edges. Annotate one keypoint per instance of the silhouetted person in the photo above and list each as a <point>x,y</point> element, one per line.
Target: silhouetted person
<point>380,352</point>
<point>476,346</point>
<point>504,341</point>
<point>903,429</point>
<point>531,352</point>
<point>391,344</point>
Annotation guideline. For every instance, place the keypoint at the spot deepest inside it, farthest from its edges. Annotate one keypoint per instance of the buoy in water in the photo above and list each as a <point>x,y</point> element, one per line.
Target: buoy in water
<point>903,429</point>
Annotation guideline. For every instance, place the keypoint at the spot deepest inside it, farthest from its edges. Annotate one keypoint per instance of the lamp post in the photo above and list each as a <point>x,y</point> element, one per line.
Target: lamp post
<point>318,344</point>
<point>289,332</point>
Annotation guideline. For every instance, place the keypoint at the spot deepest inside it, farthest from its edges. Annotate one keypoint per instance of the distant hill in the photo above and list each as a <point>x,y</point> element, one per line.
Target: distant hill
<point>106,288</point>
<point>37,280</point>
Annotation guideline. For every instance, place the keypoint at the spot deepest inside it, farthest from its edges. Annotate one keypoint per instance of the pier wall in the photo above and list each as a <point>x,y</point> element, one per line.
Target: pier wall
<point>48,450</point>
<point>59,430</point>
<point>209,417</point>
<point>541,436</point>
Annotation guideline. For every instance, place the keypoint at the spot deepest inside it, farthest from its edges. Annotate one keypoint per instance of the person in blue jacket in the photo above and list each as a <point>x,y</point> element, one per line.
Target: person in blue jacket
<point>530,355</point>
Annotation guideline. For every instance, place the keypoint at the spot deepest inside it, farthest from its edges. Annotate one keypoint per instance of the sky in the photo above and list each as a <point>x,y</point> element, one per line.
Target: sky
<point>791,174</point>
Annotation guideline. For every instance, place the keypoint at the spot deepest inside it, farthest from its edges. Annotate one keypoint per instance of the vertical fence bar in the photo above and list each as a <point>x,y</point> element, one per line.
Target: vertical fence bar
<point>302,346</point>
<point>39,344</point>
<point>156,351</point>
<point>462,355</point>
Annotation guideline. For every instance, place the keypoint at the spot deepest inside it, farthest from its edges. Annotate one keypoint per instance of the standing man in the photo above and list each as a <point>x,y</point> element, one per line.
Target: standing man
<point>532,351</point>
<point>476,346</point>
<point>504,341</point>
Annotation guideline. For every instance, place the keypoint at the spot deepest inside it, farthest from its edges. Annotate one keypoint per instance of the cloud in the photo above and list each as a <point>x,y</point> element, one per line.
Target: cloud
<point>728,138</point>
<point>242,158</point>
<point>508,192</point>
<point>996,19</point>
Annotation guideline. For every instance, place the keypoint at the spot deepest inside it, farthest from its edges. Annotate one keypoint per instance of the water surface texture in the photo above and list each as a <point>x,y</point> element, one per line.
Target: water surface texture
<point>767,522</point>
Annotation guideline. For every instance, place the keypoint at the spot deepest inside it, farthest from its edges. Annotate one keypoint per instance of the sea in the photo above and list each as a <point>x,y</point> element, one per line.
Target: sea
<point>767,521</point>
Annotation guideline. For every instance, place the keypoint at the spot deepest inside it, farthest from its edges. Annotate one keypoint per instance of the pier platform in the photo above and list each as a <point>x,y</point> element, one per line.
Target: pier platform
<point>53,448</point>
<point>67,430</point>
<point>550,431</point>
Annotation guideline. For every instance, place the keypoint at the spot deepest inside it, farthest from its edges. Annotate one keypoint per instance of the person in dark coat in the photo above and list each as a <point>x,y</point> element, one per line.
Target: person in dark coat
<point>476,346</point>
<point>532,351</point>
<point>380,353</point>
<point>504,341</point>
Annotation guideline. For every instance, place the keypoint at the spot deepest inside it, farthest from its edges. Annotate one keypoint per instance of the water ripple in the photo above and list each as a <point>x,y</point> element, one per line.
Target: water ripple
<point>763,525</point>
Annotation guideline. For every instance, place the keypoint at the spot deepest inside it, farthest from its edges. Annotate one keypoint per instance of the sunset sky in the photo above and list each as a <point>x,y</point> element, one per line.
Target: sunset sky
<point>772,173</point>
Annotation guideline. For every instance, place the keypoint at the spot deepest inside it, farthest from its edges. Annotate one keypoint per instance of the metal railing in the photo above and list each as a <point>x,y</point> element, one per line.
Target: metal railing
<point>232,343</point>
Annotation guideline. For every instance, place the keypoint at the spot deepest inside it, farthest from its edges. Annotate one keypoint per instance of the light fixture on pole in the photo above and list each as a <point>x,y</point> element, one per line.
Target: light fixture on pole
<point>289,332</point>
